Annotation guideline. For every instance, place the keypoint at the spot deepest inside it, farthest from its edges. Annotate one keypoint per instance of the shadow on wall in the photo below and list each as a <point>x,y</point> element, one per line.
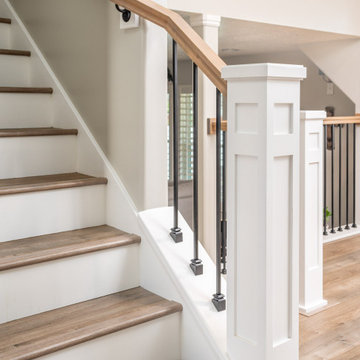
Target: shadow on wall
<point>185,199</point>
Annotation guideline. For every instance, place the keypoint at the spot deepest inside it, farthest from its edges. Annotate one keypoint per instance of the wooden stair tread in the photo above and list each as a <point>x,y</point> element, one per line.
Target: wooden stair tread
<point>26,90</point>
<point>48,131</point>
<point>5,20</point>
<point>47,182</point>
<point>34,250</point>
<point>45,333</point>
<point>15,52</point>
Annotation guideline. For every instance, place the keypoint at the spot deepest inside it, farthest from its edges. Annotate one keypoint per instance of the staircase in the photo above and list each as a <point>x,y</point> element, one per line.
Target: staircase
<point>69,283</point>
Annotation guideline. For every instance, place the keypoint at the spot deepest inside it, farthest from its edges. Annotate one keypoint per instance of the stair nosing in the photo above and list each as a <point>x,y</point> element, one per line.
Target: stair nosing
<point>51,185</point>
<point>13,52</point>
<point>30,132</point>
<point>5,20</point>
<point>65,251</point>
<point>25,90</point>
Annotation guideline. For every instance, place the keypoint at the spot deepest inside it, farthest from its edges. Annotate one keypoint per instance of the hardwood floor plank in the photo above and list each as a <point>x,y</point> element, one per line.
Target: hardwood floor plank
<point>335,332</point>
<point>25,132</point>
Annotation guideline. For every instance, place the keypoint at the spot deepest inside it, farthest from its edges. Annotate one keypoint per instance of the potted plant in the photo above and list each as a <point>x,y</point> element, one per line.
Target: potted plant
<point>327,213</point>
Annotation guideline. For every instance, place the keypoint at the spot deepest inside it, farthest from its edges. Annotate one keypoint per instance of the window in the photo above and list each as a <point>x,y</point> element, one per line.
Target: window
<point>185,136</point>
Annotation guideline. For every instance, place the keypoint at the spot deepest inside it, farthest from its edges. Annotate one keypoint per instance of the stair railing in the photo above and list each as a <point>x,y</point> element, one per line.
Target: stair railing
<point>333,143</point>
<point>205,59</point>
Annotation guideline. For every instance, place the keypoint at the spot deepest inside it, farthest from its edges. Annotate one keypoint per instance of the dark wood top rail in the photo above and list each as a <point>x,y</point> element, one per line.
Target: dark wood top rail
<point>341,120</point>
<point>187,38</point>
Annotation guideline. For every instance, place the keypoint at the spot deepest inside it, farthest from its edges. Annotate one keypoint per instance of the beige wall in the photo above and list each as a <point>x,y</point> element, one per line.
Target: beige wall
<point>105,73</point>
<point>313,88</point>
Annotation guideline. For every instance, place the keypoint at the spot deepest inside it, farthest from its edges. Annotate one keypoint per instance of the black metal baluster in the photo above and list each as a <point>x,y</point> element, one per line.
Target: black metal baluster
<point>224,215</point>
<point>176,233</point>
<point>354,176</point>
<point>332,179</point>
<point>218,298</point>
<point>347,227</point>
<point>325,147</point>
<point>340,183</point>
<point>196,264</point>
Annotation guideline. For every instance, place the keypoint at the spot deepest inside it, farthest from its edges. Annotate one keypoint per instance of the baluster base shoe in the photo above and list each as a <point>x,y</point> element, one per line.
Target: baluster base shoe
<point>219,302</point>
<point>176,235</point>
<point>197,266</point>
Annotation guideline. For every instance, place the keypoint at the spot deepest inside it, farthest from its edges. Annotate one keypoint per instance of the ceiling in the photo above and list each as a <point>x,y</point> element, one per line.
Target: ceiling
<point>238,37</point>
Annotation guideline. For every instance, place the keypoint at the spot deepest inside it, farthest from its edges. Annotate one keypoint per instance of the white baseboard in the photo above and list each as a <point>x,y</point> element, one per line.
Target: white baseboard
<point>313,308</point>
<point>339,235</point>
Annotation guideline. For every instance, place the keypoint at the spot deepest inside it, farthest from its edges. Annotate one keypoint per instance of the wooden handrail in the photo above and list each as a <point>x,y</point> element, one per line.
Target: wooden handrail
<point>334,120</point>
<point>187,38</point>
<point>341,120</point>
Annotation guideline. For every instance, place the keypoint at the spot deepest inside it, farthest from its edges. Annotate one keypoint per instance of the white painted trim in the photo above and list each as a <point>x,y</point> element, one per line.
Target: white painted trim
<point>268,70</point>
<point>341,235</point>
<point>205,20</point>
<point>311,211</point>
<point>313,307</point>
<point>312,115</point>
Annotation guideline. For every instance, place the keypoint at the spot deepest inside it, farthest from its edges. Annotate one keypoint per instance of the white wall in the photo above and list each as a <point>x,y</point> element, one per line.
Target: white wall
<point>105,71</point>
<point>339,16</point>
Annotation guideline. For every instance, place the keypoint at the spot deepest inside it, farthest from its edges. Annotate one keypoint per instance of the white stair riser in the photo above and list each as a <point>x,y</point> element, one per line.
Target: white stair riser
<point>46,212</point>
<point>4,36</point>
<point>155,340</point>
<point>14,70</point>
<point>25,110</point>
<point>37,155</point>
<point>41,287</point>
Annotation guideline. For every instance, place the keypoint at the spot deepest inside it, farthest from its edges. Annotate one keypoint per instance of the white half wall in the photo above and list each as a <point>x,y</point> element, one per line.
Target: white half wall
<point>165,270</point>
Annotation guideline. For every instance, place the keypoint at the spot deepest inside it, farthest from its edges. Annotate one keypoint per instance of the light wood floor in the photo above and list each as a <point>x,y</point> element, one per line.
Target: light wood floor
<point>335,332</point>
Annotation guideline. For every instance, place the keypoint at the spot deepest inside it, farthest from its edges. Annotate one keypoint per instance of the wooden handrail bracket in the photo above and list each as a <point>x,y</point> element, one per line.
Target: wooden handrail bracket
<point>187,38</point>
<point>212,126</point>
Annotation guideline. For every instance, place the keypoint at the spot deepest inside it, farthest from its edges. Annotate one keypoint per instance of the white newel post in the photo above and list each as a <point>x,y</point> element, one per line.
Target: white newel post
<point>357,176</point>
<point>263,210</point>
<point>311,211</point>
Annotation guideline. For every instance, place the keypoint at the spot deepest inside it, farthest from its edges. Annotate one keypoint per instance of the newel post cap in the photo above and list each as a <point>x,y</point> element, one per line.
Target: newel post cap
<point>266,70</point>
<point>312,115</point>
